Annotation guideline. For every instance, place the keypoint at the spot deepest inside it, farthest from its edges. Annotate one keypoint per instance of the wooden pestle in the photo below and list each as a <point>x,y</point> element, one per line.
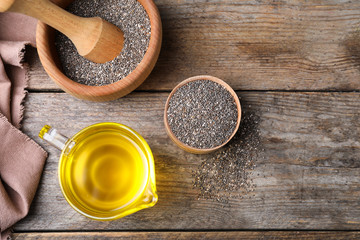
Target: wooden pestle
<point>94,38</point>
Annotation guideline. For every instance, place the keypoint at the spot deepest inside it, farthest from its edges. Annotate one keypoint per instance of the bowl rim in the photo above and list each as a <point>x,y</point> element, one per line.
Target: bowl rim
<point>185,146</point>
<point>111,91</point>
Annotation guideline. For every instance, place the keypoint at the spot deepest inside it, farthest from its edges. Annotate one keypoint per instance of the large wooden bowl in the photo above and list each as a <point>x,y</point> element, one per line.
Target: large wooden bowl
<point>185,146</point>
<point>45,41</point>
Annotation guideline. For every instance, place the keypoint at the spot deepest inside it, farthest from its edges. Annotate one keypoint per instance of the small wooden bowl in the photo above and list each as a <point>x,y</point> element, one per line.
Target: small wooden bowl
<point>45,41</point>
<point>187,147</point>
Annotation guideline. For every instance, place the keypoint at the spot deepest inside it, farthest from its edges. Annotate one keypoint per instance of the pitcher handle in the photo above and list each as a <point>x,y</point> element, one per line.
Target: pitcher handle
<point>52,136</point>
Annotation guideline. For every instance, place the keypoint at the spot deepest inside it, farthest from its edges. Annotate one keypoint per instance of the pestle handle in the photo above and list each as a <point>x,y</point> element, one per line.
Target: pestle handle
<point>94,38</point>
<point>5,5</point>
<point>50,14</point>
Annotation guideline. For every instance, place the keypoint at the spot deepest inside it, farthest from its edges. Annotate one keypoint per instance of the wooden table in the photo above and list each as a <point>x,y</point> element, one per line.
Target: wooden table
<point>294,64</point>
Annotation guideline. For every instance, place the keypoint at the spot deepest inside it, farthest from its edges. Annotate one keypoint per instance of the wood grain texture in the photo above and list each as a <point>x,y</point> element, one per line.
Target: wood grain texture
<point>255,45</point>
<point>191,235</point>
<point>307,177</point>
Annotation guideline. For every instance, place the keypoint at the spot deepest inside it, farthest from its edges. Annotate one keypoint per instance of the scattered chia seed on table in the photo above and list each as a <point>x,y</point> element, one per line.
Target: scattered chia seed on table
<point>202,114</point>
<point>225,174</point>
<point>131,17</point>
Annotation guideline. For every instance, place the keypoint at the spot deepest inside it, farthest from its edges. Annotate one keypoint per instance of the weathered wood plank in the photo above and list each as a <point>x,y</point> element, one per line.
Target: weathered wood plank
<point>255,45</point>
<point>190,235</point>
<point>307,178</point>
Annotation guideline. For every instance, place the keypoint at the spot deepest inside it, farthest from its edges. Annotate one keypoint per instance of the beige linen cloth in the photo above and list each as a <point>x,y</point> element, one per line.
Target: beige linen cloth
<point>21,159</point>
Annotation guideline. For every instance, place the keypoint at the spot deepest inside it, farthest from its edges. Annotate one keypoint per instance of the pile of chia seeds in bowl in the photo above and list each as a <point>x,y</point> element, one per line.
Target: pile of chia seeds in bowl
<point>128,15</point>
<point>202,114</point>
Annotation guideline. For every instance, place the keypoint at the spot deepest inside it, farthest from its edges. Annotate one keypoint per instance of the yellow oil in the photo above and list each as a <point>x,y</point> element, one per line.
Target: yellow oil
<point>106,170</point>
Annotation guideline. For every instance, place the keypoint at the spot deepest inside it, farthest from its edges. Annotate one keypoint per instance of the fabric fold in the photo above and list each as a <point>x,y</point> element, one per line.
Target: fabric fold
<point>21,159</point>
<point>12,66</point>
<point>19,172</point>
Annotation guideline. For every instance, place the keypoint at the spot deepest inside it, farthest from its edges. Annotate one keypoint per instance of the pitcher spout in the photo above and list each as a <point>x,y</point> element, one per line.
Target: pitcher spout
<point>150,197</point>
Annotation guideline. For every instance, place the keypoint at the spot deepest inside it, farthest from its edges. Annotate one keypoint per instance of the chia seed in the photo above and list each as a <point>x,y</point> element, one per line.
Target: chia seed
<point>202,114</point>
<point>226,173</point>
<point>128,15</point>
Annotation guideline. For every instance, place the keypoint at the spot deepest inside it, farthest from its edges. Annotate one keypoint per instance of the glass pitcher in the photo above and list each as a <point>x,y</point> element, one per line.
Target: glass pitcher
<point>106,171</point>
